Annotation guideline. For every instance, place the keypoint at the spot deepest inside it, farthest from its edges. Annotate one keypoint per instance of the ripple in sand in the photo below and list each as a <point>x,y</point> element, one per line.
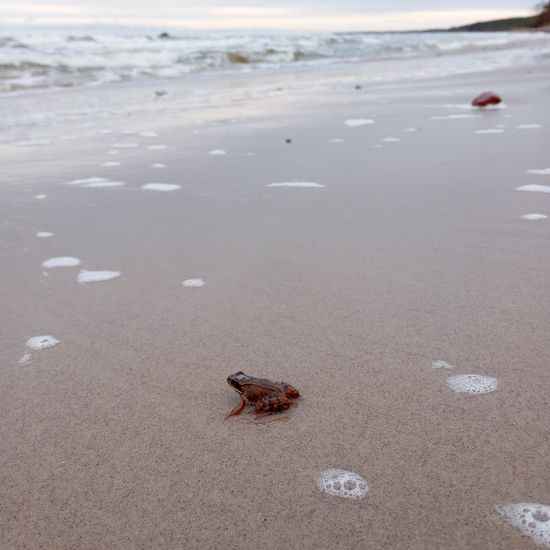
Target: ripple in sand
<point>343,484</point>
<point>44,234</point>
<point>540,171</point>
<point>472,384</point>
<point>40,197</point>
<point>528,126</point>
<point>534,188</point>
<point>97,276</point>
<point>354,122</point>
<point>532,519</point>
<point>157,165</point>
<point>42,342</point>
<point>61,261</point>
<point>534,217</point>
<point>490,131</point>
<point>217,152</point>
<point>193,283</point>
<point>161,187</point>
<point>440,364</point>
<point>296,184</point>
<point>111,164</point>
<point>157,147</point>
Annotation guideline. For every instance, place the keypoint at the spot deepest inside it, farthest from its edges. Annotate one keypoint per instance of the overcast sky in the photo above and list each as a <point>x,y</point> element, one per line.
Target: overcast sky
<point>265,14</point>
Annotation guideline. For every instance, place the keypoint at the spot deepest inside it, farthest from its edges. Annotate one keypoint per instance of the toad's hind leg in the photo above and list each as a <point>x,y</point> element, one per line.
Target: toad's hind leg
<point>272,404</point>
<point>237,409</point>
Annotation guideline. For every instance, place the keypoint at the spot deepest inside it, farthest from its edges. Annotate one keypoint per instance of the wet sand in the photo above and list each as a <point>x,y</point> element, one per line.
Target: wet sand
<point>413,252</point>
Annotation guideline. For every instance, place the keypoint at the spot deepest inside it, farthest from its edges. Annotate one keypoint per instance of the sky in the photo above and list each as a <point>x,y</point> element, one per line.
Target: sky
<point>299,15</point>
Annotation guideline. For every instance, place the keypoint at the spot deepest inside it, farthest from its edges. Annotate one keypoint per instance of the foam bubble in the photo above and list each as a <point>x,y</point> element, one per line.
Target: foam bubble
<point>528,126</point>
<point>148,134</point>
<point>454,117</point>
<point>440,364</point>
<point>25,359</point>
<point>217,152</point>
<point>540,171</point>
<point>44,234</point>
<point>534,188</point>
<point>157,165</point>
<point>111,164</point>
<point>296,184</point>
<point>340,483</point>
<point>124,145</point>
<point>354,122</point>
<point>161,187</point>
<point>472,384</point>
<point>490,131</point>
<point>61,261</point>
<point>40,197</point>
<point>532,519</point>
<point>42,342</point>
<point>391,139</point>
<point>193,283</point>
<point>97,276</point>
<point>534,217</point>
<point>157,147</point>
<point>336,140</point>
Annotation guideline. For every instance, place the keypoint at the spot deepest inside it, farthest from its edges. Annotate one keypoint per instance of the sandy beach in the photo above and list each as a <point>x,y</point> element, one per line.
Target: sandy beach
<point>411,250</point>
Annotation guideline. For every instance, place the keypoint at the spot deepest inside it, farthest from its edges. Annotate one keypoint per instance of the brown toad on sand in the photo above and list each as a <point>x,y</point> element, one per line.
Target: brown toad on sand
<point>267,397</point>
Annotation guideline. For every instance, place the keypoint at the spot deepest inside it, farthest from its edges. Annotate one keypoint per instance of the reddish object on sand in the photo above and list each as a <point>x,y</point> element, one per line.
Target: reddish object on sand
<point>486,98</point>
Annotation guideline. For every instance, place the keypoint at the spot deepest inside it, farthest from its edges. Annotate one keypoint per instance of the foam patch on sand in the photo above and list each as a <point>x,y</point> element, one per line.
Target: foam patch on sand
<point>534,188</point>
<point>25,359</point>
<point>61,261</point>
<point>97,276</point>
<point>540,171</point>
<point>111,164</point>
<point>157,165</point>
<point>490,131</point>
<point>124,145</point>
<point>534,217</point>
<point>157,147</point>
<point>104,184</point>
<point>44,234</point>
<point>528,126</point>
<point>354,122</point>
<point>296,184</point>
<point>217,152</point>
<point>391,139</point>
<point>40,197</point>
<point>193,283</point>
<point>343,484</point>
<point>454,117</point>
<point>161,187</point>
<point>472,384</point>
<point>440,364</point>
<point>532,519</point>
<point>42,342</point>
<point>82,181</point>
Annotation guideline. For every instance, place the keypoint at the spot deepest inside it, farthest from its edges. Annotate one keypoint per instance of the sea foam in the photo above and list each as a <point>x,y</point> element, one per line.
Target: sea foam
<point>440,364</point>
<point>97,276</point>
<point>532,519</point>
<point>61,261</point>
<point>161,187</point>
<point>540,171</point>
<point>534,188</point>
<point>193,283</point>
<point>44,234</point>
<point>354,122</point>
<point>472,384</point>
<point>533,217</point>
<point>343,484</point>
<point>296,184</point>
<point>42,342</point>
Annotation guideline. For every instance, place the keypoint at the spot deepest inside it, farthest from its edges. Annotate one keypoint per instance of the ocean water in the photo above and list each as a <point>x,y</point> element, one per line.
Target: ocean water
<point>34,59</point>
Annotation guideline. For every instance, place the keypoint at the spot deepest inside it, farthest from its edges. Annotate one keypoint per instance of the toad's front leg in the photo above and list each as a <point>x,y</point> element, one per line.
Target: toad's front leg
<point>238,408</point>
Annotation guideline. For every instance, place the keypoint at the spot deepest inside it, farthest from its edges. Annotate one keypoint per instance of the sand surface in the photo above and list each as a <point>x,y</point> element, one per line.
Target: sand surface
<point>414,251</point>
